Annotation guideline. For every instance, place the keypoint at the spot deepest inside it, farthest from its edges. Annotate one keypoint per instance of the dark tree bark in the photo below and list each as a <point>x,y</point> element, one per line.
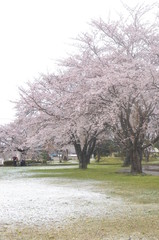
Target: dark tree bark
<point>147,155</point>
<point>84,154</point>
<point>131,132</point>
<point>136,166</point>
<point>98,155</point>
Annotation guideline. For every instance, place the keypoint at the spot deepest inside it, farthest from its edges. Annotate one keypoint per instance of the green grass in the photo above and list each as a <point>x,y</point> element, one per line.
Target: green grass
<point>152,161</point>
<point>139,188</point>
<point>110,160</point>
<point>106,173</point>
<point>140,192</point>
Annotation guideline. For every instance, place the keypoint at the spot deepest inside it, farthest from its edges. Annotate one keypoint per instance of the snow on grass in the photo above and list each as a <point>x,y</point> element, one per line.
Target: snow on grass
<point>50,200</point>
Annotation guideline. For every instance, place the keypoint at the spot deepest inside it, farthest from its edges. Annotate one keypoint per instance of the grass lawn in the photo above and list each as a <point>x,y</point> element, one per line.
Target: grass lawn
<point>137,219</point>
<point>139,188</point>
<point>141,192</point>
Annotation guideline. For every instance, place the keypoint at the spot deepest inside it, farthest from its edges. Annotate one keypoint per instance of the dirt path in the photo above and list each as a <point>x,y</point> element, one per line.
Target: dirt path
<point>147,169</point>
<point>151,169</point>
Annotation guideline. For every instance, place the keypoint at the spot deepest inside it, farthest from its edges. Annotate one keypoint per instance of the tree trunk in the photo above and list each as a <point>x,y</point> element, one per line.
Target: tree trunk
<point>84,154</point>
<point>88,160</point>
<point>82,162</point>
<point>98,155</point>
<point>147,155</point>
<point>136,167</point>
<point>81,156</point>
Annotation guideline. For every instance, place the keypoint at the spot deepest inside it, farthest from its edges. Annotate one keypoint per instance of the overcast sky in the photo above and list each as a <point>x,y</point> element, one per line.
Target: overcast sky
<point>34,33</point>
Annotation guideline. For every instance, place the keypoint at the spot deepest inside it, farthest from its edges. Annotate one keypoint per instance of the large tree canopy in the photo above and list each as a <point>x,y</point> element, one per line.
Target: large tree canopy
<point>58,108</point>
<point>108,88</point>
<point>128,50</point>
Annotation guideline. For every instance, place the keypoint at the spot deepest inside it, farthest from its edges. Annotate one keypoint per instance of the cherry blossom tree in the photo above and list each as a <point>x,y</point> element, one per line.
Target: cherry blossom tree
<point>57,109</point>
<point>128,53</point>
<point>109,82</point>
<point>13,138</point>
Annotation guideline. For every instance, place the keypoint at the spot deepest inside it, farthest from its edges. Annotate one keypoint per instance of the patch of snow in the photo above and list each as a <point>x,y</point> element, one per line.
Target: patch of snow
<point>49,200</point>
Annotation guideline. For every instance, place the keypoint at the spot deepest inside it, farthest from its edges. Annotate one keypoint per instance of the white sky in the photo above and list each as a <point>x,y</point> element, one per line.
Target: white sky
<point>34,33</point>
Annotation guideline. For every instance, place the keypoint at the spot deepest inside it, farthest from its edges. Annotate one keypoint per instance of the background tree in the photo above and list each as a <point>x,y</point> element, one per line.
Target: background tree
<point>110,82</point>
<point>125,48</point>
<point>58,109</point>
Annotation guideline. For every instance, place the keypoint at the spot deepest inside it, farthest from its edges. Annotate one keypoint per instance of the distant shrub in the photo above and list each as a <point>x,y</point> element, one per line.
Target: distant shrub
<point>8,163</point>
<point>45,157</point>
<point>110,160</point>
<point>119,154</point>
<point>33,162</point>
